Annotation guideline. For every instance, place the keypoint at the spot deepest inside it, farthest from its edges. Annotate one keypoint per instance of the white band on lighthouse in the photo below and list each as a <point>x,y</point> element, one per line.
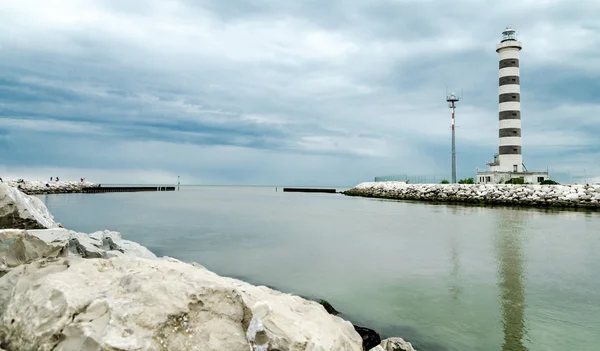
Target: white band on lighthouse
<point>509,88</point>
<point>509,123</point>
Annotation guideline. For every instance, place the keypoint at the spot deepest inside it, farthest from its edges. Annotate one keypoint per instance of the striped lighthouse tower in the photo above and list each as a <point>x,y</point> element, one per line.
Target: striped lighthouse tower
<point>510,158</point>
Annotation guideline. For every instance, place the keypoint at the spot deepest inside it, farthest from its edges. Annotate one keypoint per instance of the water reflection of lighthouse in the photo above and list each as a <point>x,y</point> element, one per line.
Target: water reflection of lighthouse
<point>509,254</point>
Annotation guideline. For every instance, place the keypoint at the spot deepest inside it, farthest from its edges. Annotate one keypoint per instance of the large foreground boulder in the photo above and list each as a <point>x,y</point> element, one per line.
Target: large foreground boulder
<point>19,247</point>
<point>21,211</point>
<point>130,303</point>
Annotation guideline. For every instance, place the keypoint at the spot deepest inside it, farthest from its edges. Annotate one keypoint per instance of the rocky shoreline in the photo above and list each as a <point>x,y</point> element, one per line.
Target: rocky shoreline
<point>63,290</point>
<point>37,187</point>
<point>554,196</point>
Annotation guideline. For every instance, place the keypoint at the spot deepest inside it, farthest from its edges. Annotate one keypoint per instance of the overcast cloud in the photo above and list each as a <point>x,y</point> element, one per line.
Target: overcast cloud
<point>288,92</point>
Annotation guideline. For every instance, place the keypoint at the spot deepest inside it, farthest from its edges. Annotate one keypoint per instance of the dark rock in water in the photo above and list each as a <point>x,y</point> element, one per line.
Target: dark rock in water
<point>369,336</point>
<point>328,307</point>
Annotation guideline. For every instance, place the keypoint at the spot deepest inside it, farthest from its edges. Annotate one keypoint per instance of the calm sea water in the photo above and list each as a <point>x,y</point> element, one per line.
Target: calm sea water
<point>444,277</point>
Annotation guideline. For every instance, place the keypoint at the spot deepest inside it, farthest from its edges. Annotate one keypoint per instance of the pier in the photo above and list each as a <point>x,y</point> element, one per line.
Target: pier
<point>309,190</point>
<point>125,189</point>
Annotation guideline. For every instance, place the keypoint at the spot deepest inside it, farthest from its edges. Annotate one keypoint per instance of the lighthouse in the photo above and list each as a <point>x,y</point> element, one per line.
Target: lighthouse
<point>508,161</point>
<point>510,156</point>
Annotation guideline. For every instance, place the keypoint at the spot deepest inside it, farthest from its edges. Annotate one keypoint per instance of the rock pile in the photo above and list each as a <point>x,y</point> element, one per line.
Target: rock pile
<point>62,290</point>
<point>587,196</point>
<point>32,187</point>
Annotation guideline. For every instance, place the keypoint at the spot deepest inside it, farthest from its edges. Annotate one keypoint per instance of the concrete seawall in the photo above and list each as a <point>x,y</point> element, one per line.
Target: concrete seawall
<point>570,196</point>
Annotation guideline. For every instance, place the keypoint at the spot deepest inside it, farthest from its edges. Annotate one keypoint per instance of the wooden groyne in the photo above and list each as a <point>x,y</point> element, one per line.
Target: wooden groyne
<point>309,190</point>
<point>125,189</point>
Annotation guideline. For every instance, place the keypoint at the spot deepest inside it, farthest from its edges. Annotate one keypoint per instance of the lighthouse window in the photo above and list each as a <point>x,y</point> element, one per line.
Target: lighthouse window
<point>514,114</point>
<point>514,132</point>
<point>514,80</point>
<point>514,96</point>
<point>513,62</point>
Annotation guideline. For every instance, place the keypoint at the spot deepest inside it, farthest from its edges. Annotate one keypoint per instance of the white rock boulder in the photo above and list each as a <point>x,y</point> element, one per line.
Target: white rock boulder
<point>19,246</point>
<point>101,244</point>
<point>131,303</point>
<point>21,211</point>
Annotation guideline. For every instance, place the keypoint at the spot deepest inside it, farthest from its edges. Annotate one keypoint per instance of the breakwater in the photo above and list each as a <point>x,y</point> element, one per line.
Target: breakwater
<point>36,187</point>
<point>569,196</point>
<point>125,189</point>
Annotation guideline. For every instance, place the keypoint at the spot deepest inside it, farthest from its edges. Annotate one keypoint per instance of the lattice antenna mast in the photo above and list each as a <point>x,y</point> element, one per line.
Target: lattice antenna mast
<point>452,99</point>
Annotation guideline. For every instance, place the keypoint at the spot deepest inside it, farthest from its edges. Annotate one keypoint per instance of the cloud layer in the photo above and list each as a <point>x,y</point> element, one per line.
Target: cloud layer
<point>298,93</point>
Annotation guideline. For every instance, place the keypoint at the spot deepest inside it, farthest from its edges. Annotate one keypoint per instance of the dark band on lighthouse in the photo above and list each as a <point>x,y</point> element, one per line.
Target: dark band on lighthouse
<point>509,97</point>
<point>510,62</point>
<point>510,150</point>
<point>509,132</point>
<point>511,114</point>
<point>509,80</point>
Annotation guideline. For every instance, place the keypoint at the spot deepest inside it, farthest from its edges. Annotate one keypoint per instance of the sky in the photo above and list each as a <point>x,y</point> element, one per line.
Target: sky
<point>271,92</point>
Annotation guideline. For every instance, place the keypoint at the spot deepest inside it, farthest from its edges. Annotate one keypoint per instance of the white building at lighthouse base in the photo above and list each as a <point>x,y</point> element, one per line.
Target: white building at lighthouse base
<point>499,175</point>
<point>490,177</point>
